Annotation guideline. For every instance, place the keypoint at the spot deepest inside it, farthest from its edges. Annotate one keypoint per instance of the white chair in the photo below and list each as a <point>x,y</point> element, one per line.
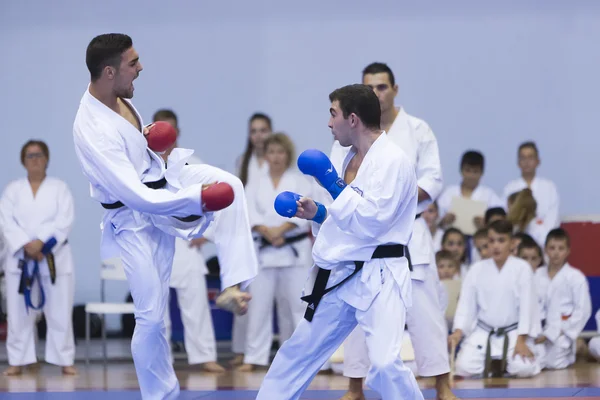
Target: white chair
<point>111,270</point>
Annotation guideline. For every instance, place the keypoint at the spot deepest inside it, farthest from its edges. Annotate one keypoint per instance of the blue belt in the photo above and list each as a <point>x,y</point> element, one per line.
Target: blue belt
<point>27,281</point>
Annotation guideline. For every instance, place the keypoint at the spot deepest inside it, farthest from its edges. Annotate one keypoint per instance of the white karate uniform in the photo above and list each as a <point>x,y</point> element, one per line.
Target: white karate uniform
<point>283,270</point>
<point>23,218</point>
<point>481,193</point>
<point>538,231</point>
<point>568,307</point>
<point>547,199</point>
<point>498,298</point>
<point>116,160</point>
<point>3,251</point>
<point>255,170</point>
<point>188,278</point>
<point>378,208</point>
<point>594,344</point>
<point>240,322</point>
<point>425,319</point>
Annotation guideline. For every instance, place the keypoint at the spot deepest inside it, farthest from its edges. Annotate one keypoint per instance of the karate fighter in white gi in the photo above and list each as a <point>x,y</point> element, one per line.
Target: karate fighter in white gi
<point>36,216</point>
<point>425,319</point>
<point>147,205</point>
<point>364,275</point>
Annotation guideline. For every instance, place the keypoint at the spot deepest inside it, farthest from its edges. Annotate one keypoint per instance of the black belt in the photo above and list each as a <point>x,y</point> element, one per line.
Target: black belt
<point>288,240</point>
<point>418,216</point>
<point>320,289</point>
<point>503,332</point>
<point>152,185</point>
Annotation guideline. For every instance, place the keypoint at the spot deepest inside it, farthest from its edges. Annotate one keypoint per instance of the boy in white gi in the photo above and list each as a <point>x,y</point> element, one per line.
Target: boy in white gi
<point>494,312</point>
<point>147,205</point>
<point>472,166</point>
<point>544,190</point>
<point>425,319</point>
<point>567,302</point>
<point>360,241</point>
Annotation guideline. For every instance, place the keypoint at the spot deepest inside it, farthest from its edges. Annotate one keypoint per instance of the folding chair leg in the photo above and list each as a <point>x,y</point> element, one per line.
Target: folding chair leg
<point>87,338</point>
<point>104,339</point>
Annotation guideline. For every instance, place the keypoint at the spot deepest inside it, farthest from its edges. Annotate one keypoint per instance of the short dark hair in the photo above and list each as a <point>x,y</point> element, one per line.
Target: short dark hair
<point>558,234</point>
<point>526,239</point>
<point>360,100</point>
<point>472,158</point>
<point>528,242</point>
<point>502,227</point>
<point>163,114</point>
<point>522,236</point>
<point>529,145</point>
<point>32,142</point>
<point>106,50</point>
<point>445,255</point>
<point>379,68</point>
<point>491,212</point>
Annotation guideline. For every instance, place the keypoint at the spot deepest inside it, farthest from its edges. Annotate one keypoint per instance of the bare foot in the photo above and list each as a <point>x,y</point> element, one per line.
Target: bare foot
<point>13,371</point>
<point>34,367</point>
<point>237,360</point>
<point>234,300</point>
<point>245,368</point>
<point>442,387</point>
<point>212,367</point>
<point>71,371</point>
<point>353,396</point>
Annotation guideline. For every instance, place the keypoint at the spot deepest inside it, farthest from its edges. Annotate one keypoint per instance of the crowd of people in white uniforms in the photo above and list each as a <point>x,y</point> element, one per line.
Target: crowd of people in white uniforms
<point>515,298</point>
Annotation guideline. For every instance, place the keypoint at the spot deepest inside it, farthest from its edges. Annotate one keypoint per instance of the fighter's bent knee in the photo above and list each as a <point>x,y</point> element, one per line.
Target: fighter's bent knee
<point>150,321</point>
<point>232,180</point>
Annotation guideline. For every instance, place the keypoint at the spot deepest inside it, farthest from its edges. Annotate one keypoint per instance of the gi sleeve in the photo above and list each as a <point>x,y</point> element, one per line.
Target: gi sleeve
<point>15,236</point>
<point>429,167</point>
<point>582,307</point>
<point>527,300</point>
<point>467,307</point>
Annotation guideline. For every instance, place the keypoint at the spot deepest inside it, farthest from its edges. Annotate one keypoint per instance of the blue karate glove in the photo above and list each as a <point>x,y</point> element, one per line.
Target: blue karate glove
<point>315,163</point>
<point>285,205</point>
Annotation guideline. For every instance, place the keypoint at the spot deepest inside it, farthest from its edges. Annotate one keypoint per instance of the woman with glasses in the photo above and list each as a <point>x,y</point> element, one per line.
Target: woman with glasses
<point>36,216</point>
